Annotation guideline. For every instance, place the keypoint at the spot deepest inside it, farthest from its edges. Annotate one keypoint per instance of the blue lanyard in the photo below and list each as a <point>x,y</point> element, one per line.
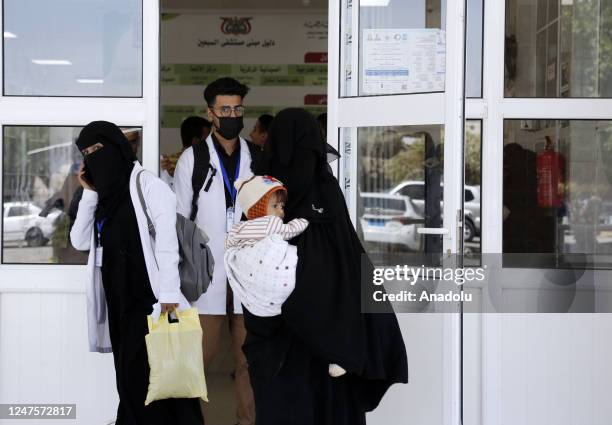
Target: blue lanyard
<point>232,190</point>
<point>99,226</point>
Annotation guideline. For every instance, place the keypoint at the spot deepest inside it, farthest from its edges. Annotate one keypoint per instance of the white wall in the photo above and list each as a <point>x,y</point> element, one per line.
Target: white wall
<point>45,358</point>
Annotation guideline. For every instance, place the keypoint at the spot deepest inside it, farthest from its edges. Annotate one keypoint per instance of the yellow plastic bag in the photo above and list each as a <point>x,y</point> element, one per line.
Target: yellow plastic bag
<point>175,357</point>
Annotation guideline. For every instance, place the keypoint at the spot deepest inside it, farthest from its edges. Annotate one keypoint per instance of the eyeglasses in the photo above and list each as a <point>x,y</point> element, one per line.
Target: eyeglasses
<point>226,111</point>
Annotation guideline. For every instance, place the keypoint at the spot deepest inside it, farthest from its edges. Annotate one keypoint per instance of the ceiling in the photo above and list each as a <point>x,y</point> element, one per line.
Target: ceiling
<point>243,4</point>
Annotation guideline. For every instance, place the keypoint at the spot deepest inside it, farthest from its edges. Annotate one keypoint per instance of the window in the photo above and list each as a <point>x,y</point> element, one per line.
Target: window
<point>41,192</point>
<point>73,48</point>
<point>557,193</point>
<point>392,164</point>
<point>558,48</point>
<point>413,191</point>
<point>472,204</point>
<point>18,211</point>
<point>473,49</point>
<point>401,47</point>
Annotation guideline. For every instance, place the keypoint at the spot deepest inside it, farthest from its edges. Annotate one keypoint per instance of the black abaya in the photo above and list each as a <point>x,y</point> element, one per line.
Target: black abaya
<point>321,321</point>
<point>129,299</point>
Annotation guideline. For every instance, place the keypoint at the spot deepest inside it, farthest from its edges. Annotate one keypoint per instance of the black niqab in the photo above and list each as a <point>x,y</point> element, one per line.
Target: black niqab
<point>109,168</point>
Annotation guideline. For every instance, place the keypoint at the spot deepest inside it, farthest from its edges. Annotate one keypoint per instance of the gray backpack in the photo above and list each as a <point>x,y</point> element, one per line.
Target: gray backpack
<point>196,261</point>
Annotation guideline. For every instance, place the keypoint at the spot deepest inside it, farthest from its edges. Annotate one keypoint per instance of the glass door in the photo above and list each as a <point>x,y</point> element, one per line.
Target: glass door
<point>396,114</point>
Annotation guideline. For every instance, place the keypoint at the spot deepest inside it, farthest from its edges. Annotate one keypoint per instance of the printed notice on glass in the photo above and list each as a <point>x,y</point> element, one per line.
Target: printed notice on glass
<point>403,61</point>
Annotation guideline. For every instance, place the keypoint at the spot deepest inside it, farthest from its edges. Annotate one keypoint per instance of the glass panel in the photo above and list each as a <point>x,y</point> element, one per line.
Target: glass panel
<point>68,48</point>
<point>41,192</point>
<point>472,194</point>
<point>473,76</point>
<point>399,188</point>
<point>557,193</point>
<point>401,47</point>
<point>558,48</point>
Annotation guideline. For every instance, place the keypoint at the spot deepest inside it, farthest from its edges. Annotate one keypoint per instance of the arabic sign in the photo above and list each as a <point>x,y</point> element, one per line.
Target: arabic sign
<point>254,75</point>
<point>281,56</point>
<point>403,61</point>
<point>173,115</point>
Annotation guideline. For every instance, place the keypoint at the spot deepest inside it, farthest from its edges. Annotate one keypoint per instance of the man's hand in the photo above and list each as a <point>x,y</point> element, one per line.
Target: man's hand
<point>168,307</point>
<point>165,163</point>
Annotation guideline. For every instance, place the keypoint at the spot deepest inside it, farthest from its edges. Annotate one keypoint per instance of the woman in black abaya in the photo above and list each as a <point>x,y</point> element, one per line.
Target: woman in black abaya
<point>109,164</point>
<point>321,322</point>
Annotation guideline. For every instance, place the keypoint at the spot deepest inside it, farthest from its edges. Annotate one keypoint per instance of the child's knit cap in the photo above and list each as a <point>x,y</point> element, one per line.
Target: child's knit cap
<point>254,194</point>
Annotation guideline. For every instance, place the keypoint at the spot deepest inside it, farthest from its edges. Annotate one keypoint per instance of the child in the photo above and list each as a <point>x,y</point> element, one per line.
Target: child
<point>260,264</point>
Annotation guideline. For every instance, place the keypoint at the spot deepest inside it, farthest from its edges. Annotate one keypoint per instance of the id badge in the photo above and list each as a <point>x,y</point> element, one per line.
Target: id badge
<point>99,256</point>
<point>229,219</point>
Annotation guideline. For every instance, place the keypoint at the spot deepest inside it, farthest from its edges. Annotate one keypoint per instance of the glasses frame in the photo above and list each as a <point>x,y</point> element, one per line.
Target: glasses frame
<point>233,109</point>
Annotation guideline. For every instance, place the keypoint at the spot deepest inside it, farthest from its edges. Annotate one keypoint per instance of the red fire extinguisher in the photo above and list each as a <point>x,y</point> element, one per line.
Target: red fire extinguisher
<point>551,176</point>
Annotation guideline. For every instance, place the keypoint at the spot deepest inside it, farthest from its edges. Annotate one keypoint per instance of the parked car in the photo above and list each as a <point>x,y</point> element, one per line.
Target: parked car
<point>390,219</point>
<point>415,190</point>
<point>22,223</point>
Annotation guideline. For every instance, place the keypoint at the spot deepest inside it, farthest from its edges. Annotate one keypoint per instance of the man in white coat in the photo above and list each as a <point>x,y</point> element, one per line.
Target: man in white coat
<point>217,212</point>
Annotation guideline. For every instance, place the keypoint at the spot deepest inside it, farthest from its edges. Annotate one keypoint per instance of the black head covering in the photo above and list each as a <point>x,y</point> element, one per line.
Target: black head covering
<point>108,168</point>
<point>295,153</point>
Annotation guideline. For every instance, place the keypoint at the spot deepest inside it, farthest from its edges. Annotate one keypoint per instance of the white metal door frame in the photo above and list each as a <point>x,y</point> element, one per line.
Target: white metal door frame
<point>492,109</point>
<point>437,108</point>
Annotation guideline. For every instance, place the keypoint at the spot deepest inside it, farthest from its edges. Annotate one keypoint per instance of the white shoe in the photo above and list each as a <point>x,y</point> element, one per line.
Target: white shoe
<point>336,371</point>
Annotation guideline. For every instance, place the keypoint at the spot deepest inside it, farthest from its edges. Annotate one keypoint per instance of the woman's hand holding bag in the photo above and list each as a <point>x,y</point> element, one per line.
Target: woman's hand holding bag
<point>175,357</point>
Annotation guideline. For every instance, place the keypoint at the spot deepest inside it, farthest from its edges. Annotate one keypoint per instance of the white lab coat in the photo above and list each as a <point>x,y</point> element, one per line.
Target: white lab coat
<point>211,218</point>
<point>161,256</point>
<point>167,178</point>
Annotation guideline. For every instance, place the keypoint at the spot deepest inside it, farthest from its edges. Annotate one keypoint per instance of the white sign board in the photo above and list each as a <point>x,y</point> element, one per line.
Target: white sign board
<point>403,61</point>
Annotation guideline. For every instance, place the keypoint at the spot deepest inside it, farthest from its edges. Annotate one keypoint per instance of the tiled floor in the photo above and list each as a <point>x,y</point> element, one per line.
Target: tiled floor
<point>221,406</point>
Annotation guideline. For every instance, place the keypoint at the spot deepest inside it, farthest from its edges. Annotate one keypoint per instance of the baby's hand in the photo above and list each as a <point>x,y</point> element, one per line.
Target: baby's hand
<point>336,371</point>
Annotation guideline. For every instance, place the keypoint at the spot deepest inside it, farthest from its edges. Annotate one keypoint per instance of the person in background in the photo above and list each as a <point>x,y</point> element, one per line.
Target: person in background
<point>128,273</point>
<point>217,212</point>
<point>194,129</point>
<point>133,137</point>
<point>259,137</point>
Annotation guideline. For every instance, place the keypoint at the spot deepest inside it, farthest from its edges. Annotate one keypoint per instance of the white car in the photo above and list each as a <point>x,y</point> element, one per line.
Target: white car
<point>390,219</point>
<point>415,190</point>
<point>22,223</point>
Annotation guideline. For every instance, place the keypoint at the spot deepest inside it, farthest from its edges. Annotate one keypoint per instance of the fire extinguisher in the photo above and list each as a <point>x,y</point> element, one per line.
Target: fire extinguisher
<point>551,176</point>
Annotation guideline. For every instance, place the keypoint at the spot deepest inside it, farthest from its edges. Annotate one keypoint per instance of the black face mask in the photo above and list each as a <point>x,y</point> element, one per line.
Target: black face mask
<point>106,169</point>
<point>229,127</point>
<point>88,175</point>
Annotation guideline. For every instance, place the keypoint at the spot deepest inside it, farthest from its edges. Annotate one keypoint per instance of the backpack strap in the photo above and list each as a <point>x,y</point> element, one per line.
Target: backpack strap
<point>150,225</point>
<point>201,164</point>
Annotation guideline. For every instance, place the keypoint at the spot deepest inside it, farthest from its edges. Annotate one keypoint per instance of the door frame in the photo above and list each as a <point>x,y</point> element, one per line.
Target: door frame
<point>446,109</point>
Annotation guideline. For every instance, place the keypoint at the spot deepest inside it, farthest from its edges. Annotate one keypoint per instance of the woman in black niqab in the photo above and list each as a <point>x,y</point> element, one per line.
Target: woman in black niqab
<point>108,169</point>
<point>321,322</point>
<point>127,289</point>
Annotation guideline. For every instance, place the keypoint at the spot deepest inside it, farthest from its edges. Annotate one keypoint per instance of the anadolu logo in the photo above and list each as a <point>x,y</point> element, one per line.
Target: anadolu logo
<point>236,26</point>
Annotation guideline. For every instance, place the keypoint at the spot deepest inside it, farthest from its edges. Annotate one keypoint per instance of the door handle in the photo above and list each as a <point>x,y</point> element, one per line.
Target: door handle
<point>432,231</point>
